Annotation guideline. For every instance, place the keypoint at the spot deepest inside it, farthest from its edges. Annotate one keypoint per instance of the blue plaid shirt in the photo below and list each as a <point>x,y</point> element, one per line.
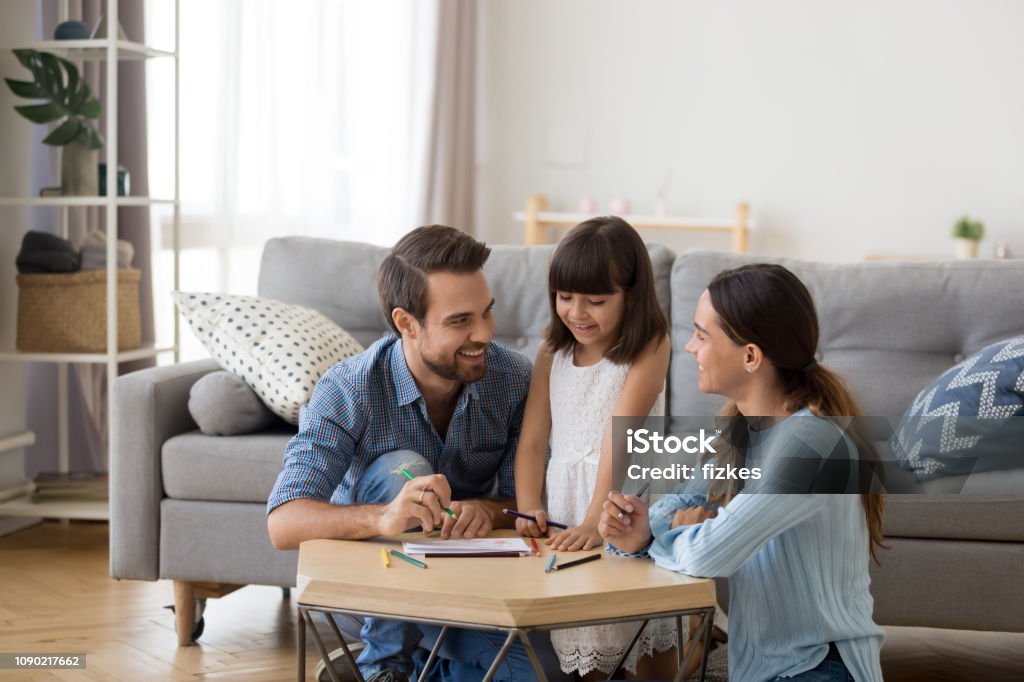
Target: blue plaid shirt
<point>369,404</point>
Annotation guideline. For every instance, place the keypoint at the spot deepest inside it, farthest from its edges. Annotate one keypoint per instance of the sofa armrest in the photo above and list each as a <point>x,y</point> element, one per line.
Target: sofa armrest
<point>150,406</point>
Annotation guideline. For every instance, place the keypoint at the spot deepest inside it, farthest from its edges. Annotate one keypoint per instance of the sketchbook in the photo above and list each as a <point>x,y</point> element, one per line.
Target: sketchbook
<point>475,547</point>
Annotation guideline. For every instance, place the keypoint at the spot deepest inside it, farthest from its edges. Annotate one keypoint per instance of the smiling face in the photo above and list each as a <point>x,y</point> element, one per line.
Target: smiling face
<point>457,328</point>
<point>721,362</point>
<point>595,320</point>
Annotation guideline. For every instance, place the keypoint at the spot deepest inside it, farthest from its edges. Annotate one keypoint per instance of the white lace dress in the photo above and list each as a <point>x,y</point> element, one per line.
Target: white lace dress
<point>582,400</point>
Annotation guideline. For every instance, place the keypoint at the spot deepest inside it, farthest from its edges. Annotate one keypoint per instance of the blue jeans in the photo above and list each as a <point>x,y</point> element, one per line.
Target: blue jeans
<point>465,654</point>
<point>827,671</point>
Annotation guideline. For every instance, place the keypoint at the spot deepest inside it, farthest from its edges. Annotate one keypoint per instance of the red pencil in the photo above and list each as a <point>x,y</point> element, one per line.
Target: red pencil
<point>536,549</point>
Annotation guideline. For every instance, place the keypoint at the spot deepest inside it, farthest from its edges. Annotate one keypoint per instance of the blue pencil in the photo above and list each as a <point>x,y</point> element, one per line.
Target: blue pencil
<point>551,564</point>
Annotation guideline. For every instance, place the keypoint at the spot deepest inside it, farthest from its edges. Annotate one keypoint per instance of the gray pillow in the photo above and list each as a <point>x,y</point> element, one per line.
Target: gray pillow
<point>224,405</point>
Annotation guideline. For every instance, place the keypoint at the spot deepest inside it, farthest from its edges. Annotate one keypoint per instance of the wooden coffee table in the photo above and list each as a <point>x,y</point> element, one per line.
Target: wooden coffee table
<point>511,595</point>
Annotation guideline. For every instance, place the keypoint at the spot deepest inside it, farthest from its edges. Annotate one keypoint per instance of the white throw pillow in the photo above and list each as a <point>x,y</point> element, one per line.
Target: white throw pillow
<point>279,350</point>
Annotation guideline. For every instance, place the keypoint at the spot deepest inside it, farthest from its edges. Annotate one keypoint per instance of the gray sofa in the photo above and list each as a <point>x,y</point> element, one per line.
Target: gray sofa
<point>191,508</point>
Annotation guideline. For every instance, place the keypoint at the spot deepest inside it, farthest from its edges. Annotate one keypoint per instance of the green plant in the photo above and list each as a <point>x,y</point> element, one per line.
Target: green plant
<point>965,228</point>
<point>67,99</point>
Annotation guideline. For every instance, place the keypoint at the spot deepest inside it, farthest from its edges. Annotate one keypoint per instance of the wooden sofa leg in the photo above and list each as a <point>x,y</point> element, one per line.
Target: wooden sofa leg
<point>184,610</point>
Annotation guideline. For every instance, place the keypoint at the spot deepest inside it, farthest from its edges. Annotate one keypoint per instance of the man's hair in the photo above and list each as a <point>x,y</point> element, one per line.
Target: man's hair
<point>402,277</point>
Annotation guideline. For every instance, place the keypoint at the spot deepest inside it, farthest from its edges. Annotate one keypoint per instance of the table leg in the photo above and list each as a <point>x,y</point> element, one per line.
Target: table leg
<point>525,637</point>
<point>344,645</point>
<point>326,656</point>
<point>501,656</point>
<point>433,653</point>
<point>629,647</point>
<point>707,624</point>
<point>708,631</point>
<point>300,643</point>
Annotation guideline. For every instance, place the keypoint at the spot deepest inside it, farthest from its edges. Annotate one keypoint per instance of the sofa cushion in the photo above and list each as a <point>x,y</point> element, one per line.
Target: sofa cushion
<point>224,405</point>
<point>970,419</point>
<point>889,328</point>
<point>223,468</point>
<point>279,350</point>
<point>986,506</point>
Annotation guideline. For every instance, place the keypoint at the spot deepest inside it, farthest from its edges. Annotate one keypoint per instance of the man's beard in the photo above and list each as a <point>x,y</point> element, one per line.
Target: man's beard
<point>451,371</point>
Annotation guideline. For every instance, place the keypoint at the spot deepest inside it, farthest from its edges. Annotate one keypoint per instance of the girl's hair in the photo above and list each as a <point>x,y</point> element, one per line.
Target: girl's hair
<point>597,257</point>
<point>767,305</point>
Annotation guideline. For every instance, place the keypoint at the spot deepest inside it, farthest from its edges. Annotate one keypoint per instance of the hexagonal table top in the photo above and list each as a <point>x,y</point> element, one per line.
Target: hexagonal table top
<point>505,592</point>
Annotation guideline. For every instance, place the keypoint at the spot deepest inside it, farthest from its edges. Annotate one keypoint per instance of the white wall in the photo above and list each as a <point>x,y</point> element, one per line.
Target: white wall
<point>851,127</point>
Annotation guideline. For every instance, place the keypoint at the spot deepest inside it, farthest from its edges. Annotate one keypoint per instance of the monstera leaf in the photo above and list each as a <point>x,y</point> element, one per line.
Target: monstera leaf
<point>66,98</point>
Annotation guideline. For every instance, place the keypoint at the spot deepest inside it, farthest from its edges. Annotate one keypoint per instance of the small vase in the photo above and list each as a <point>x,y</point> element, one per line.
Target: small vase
<point>78,171</point>
<point>966,248</point>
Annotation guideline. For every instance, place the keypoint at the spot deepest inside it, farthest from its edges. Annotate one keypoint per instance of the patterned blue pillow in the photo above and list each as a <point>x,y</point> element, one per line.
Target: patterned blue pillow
<point>970,419</point>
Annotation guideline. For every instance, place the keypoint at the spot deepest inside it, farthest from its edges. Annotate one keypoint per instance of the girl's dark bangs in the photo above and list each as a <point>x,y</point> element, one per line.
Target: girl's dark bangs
<point>582,267</point>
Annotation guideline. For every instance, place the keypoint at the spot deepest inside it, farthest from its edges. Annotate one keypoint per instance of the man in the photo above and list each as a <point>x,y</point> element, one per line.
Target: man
<point>438,399</point>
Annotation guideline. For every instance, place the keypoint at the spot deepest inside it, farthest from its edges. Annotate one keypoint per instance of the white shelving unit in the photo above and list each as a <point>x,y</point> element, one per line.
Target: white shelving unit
<point>111,52</point>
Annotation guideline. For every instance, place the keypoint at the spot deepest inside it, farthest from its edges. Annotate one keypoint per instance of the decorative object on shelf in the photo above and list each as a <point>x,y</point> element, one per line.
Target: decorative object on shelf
<point>69,100</point>
<point>587,204</point>
<point>100,32</point>
<point>93,252</point>
<point>71,30</point>
<point>73,485</point>
<point>67,313</point>
<point>1003,250</point>
<point>619,206</point>
<point>45,252</point>
<point>123,180</point>
<point>967,234</point>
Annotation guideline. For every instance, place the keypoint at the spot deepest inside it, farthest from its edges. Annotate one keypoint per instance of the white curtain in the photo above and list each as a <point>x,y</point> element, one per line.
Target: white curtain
<point>345,119</point>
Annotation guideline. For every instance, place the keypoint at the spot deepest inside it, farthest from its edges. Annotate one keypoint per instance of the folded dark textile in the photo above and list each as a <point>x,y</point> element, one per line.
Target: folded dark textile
<point>45,252</point>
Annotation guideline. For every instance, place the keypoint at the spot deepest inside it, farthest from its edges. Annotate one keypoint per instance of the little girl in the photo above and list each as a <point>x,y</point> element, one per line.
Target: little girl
<point>605,354</point>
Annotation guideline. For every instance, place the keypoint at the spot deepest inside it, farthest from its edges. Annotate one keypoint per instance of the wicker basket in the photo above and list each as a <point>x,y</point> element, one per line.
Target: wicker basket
<point>67,312</point>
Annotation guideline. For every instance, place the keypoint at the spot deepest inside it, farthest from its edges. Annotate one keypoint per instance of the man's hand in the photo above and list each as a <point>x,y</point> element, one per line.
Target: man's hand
<point>474,520</point>
<point>583,536</point>
<point>625,523</point>
<point>421,500</point>
<point>531,529</point>
<point>688,516</point>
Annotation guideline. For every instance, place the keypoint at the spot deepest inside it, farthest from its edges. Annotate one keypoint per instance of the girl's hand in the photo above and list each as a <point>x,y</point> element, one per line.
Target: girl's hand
<point>692,515</point>
<point>528,528</point>
<point>625,523</point>
<point>574,539</point>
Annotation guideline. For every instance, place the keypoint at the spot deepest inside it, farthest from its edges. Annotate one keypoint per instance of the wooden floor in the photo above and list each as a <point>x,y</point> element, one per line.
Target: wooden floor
<point>56,595</point>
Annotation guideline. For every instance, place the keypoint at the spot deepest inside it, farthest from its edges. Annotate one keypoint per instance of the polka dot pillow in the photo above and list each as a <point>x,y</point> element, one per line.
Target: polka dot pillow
<point>279,350</point>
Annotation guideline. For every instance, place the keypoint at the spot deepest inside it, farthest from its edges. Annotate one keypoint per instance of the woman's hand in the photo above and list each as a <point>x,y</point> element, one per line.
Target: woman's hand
<point>689,516</point>
<point>584,536</point>
<point>625,523</point>
<point>531,529</point>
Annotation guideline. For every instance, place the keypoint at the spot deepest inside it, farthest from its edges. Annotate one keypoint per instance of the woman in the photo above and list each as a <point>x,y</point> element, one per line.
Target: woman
<point>797,560</point>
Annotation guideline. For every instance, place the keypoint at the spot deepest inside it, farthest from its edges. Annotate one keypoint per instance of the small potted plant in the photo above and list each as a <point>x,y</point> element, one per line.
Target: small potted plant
<point>65,98</point>
<point>967,234</point>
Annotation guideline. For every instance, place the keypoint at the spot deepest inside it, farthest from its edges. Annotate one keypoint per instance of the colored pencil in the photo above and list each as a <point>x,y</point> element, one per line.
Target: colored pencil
<point>447,511</point>
<point>406,557</point>
<point>443,555</point>
<point>577,562</point>
<point>384,556</point>
<point>536,549</point>
<point>643,489</point>
<point>553,524</point>
<point>551,563</point>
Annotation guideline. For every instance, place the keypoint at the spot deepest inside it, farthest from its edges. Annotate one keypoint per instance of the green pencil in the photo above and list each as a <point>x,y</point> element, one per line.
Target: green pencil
<point>406,557</point>
<point>447,511</point>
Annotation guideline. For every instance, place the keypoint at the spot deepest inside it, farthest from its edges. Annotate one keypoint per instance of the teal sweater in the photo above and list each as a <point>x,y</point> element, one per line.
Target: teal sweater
<point>797,564</point>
